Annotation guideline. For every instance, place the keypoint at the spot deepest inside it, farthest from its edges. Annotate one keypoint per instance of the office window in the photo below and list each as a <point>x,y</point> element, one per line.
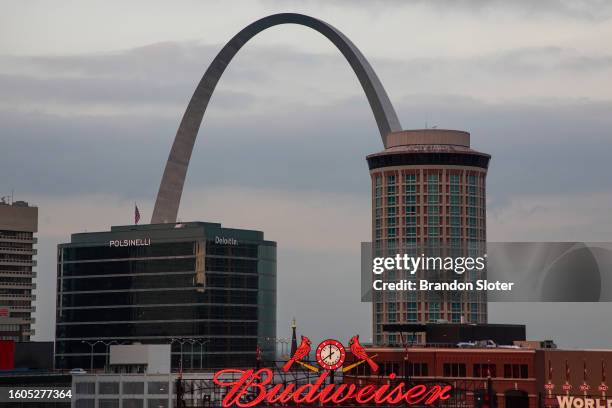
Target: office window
<point>454,370</point>
<point>85,403</point>
<point>415,369</point>
<point>85,388</point>
<point>133,387</point>
<point>484,370</point>
<point>391,314</point>
<point>455,312</point>
<point>434,311</point>
<point>473,311</point>
<point>157,403</point>
<point>108,403</point>
<point>516,371</point>
<point>108,387</point>
<point>157,387</point>
<point>133,403</point>
<point>410,178</point>
<point>411,308</point>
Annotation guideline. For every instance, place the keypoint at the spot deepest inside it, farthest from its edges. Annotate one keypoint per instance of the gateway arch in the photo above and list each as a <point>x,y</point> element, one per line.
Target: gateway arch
<point>173,179</point>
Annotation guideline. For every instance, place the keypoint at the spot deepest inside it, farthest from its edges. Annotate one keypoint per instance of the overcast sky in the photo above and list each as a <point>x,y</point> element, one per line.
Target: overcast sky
<point>91,96</point>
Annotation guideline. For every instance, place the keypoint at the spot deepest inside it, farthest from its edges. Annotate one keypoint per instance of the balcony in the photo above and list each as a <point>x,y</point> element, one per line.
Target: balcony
<point>17,274</point>
<point>18,251</point>
<point>32,240</point>
<point>14,296</point>
<point>18,285</point>
<point>20,308</point>
<point>29,262</point>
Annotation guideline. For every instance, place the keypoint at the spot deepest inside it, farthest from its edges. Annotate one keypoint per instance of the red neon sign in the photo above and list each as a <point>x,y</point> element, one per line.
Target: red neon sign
<point>258,385</point>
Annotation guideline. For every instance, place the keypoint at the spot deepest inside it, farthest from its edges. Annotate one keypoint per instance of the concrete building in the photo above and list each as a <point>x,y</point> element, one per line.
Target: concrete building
<point>428,196</point>
<point>18,224</point>
<point>142,390</point>
<point>207,290</point>
<point>139,375</point>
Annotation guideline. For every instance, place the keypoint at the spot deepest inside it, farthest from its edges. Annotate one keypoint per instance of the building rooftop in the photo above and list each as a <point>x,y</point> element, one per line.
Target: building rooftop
<point>18,216</point>
<point>185,230</point>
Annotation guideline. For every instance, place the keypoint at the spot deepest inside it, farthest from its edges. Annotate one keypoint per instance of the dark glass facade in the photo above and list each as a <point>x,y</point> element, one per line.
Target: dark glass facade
<point>210,289</point>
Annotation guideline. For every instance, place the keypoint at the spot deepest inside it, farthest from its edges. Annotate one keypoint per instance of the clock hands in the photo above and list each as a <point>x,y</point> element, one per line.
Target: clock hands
<point>330,354</point>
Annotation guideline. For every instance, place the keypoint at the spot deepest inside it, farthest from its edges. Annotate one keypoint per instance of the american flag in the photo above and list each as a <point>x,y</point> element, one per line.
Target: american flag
<point>136,214</point>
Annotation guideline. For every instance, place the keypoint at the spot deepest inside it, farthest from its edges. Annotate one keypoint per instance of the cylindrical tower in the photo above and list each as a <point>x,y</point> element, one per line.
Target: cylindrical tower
<point>428,191</point>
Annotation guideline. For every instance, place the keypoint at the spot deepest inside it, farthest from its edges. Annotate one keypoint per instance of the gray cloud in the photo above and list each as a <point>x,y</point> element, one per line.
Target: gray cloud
<point>595,10</point>
<point>296,122</point>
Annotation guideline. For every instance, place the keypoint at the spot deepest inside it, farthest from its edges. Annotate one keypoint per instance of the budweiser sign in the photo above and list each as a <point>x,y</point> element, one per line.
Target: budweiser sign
<point>255,387</point>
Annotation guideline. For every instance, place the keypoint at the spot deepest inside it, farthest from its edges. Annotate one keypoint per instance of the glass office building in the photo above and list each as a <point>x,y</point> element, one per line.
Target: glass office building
<point>209,291</point>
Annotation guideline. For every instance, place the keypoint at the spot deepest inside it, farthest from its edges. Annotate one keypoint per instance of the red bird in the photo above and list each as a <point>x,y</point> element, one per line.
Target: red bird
<point>359,352</point>
<point>302,351</point>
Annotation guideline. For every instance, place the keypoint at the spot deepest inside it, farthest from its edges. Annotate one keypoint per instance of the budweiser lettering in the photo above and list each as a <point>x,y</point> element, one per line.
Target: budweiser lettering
<point>257,384</point>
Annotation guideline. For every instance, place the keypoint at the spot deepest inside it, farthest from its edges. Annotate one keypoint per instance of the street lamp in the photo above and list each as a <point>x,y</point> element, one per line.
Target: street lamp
<point>201,343</point>
<point>181,342</point>
<point>91,351</point>
<point>191,341</point>
<point>284,346</point>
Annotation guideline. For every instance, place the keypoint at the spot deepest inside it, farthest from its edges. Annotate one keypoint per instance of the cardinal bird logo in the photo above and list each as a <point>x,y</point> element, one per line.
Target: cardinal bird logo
<point>302,351</point>
<point>359,352</point>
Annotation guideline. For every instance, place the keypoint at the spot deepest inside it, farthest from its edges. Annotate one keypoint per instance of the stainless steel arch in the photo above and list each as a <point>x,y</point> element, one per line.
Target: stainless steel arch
<point>171,187</point>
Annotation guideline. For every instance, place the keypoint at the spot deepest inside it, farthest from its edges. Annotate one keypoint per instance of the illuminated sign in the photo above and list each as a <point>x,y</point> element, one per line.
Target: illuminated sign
<point>256,387</point>
<point>583,402</point>
<point>225,241</point>
<point>129,242</point>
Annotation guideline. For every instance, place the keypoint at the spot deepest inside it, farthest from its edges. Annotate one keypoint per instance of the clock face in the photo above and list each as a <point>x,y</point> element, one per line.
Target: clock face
<point>330,354</point>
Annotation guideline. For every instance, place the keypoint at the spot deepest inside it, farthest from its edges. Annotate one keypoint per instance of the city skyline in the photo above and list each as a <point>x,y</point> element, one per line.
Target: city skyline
<point>112,110</point>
